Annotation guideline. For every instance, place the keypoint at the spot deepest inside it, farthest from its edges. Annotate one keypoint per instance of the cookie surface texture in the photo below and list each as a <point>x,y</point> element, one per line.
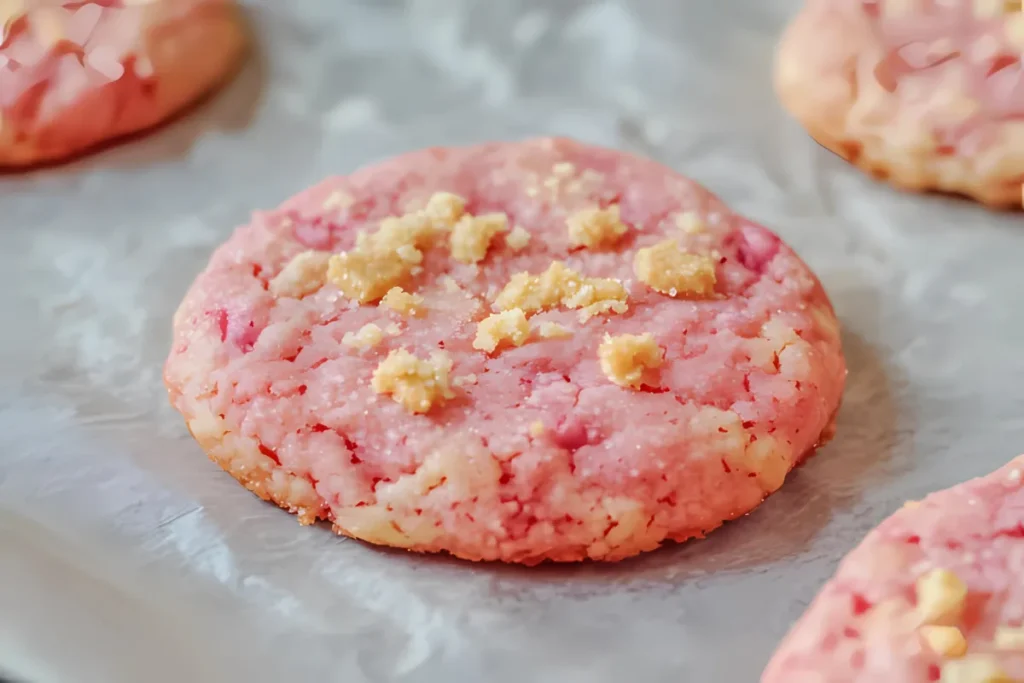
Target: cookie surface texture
<point>935,593</point>
<point>923,93</point>
<point>514,351</point>
<point>76,75</point>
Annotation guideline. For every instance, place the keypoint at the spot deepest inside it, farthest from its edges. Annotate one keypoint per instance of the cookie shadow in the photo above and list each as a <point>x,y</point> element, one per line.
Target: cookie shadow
<point>228,107</point>
<point>830,482</point>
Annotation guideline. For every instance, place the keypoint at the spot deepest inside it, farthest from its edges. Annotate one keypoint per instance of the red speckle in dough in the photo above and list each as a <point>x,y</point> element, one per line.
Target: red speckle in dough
<point>756,246</point>
<point>860,604</point>
<point>270,454</point>
<point>571,433</point>
<point>221,318</point>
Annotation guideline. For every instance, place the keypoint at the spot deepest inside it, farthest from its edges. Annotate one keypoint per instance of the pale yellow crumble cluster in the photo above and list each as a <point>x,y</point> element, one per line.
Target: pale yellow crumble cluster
<point>303,275</point>
<point>508,326</point>
<point>367,337</point>
<point>690,223</point>
<point>667,269</point>
<point>1010,638</point>
<point>595,228</point>
<point>561,286</point>
<point>940,597</point>
<point>983,9</point>
<point>386,258</point>
<point>625,358</point>
<point>472,236</point>
<point>941,602</point>
<point>414,383</point>
<point>551,330</point>
<point>401,301</point>
<point>517,239</point>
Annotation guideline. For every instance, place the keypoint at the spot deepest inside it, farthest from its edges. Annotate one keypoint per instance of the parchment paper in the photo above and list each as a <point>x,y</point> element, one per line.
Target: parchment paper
<point>126,556</point>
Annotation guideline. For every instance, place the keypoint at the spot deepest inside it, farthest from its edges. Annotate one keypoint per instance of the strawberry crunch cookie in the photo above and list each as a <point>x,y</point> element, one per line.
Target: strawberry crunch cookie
<point>935,593</point>
<point>519,352</point>
<point>76,74</point>
<point>928,94</point>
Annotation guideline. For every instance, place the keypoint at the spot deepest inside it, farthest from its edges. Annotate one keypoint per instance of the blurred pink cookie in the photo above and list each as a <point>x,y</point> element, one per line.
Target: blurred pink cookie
<point>928,94</point>
<point>518,352</point>
<point>76,74</point>
<point>935,593</point>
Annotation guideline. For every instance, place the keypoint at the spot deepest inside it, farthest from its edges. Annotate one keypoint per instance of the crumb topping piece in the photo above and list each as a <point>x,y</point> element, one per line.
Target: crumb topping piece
<point>625,358</point>
<point>690,223</point>
<point>595,228</point>
<point>303,275</point>
<point>550,330</point>
<point>1009,638</point>
<point>472,235</point>
<point>517,239</point>
<point>444,209</point>
<point>386,258</point>
<point>974,669</point>
<point>991,9</point>
<point>508,326</point>
<point>940,597</point>
<point>667,269</point>
<point>561,286</point>
<point>414,383</point>
<point>401,301</point>
<point>947,641</point>
<point>367,337</point>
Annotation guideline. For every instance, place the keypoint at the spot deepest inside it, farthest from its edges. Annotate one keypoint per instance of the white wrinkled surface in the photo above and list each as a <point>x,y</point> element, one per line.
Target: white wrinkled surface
<point>126,556</point>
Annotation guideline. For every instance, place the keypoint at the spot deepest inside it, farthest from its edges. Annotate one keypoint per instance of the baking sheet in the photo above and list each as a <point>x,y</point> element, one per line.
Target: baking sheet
<point>126,556</point>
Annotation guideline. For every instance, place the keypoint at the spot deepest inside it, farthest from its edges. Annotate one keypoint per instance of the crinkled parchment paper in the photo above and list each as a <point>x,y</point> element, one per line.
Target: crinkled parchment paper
<point>126,556</point>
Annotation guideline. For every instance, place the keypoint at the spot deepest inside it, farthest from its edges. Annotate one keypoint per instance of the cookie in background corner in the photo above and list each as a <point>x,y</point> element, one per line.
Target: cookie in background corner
<point>74,75</point>
<point>934,593</point>
<point>926,94</point>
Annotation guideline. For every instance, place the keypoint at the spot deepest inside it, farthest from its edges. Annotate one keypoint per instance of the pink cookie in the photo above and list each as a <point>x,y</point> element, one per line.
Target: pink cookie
<point>76,74</point>
<point>925,93</point>
<point>935,593</point>
<point>517,352</point>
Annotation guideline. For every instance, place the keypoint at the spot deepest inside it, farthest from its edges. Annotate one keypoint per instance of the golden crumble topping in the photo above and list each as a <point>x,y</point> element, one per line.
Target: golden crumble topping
<point>690,223</point>
<point>550,330</point>
<point>416,384</point>
<point>472,235</point>
<point>594,228</point>
<point>401,301</point>
<point>625,358</point>
<point>508,326</point>
<point>558,286</point>
<point>947,641</point>
<point>1010,638</point>
<point>667,269</point>
<point>940,597</point>
<point>386,258</point>
<point>518,239</point>
<point>974,669</point>
<point>367,337</point>
<point>303,275</point>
